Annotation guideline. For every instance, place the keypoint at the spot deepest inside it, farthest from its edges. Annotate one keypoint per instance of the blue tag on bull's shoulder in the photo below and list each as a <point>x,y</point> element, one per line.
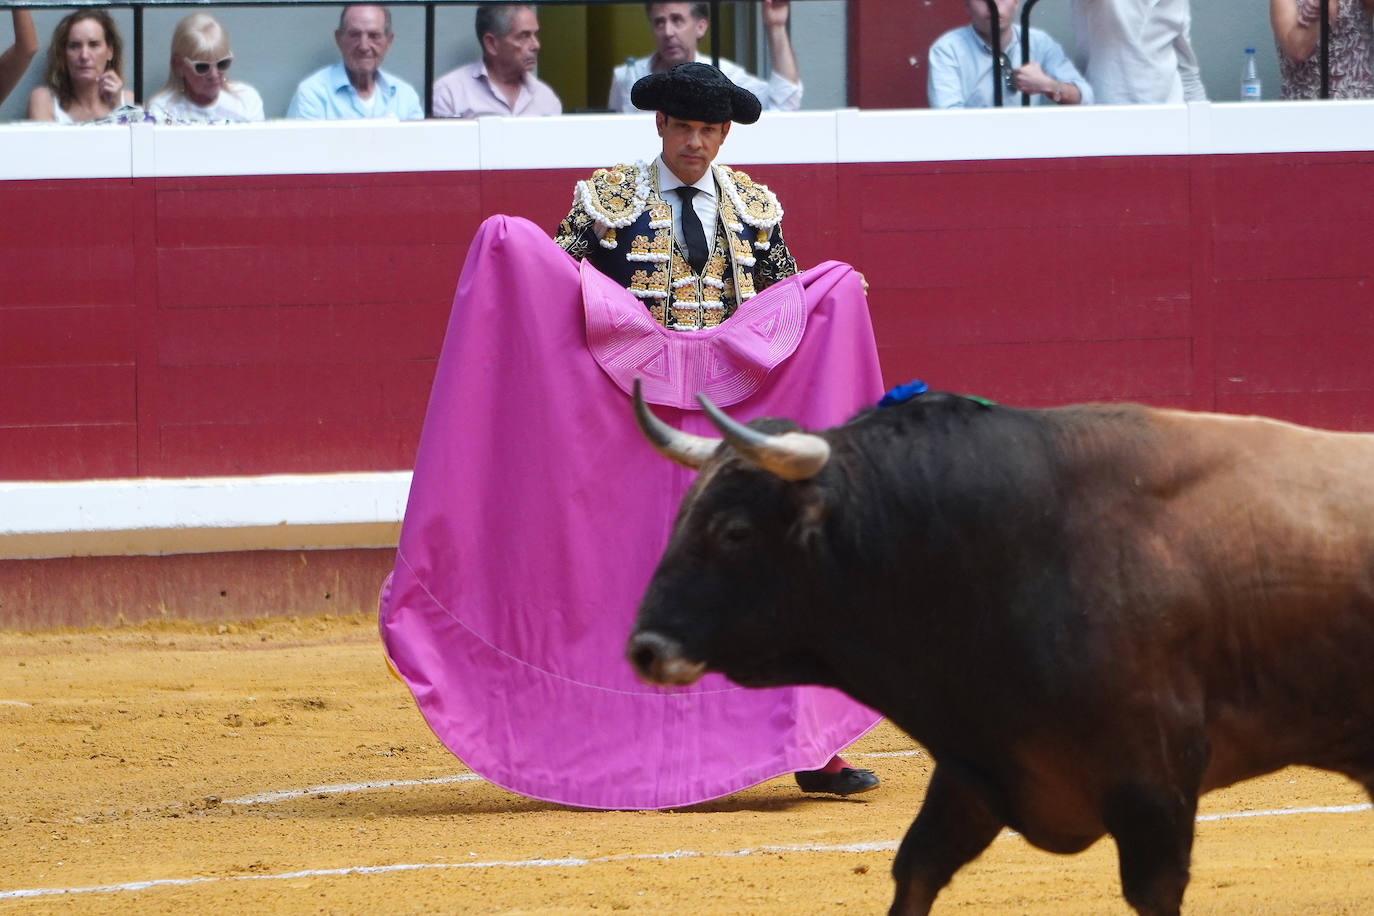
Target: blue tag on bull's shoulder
<point>903,393</point>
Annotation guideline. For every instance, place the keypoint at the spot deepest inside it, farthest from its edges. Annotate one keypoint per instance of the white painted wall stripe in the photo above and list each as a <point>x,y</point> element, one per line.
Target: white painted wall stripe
<point>146,516</point>
<point>587,141</point>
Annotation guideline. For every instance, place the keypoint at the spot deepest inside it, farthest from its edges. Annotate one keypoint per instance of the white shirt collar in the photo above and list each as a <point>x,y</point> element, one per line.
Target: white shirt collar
<point>706,184</point>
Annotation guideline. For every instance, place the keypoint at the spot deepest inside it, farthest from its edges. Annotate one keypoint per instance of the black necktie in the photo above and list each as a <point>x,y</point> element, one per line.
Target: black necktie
<point>692,231</point>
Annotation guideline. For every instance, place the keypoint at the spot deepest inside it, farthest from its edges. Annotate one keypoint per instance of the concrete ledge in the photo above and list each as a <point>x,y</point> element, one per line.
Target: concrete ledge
<point>147,516</point>
<point>205,587</point>
<point>44,151</point>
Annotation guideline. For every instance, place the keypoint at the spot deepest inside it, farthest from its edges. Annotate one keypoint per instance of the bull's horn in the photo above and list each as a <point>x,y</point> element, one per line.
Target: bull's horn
<point>684,448</point>
<point>791,456</point>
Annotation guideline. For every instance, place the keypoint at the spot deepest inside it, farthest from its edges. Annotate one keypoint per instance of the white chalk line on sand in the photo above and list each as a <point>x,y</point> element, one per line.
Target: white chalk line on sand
<point>264,798</point>
<point>571,862</point>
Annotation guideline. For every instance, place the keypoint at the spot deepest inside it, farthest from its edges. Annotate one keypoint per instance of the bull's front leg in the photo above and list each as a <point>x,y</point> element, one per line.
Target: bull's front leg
<point>1153,829</point>
<point>953,827</point>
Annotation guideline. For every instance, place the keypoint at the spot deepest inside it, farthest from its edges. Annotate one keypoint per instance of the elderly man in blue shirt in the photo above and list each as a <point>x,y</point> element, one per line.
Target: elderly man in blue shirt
<point>961,64</point>
<point>357,86</point>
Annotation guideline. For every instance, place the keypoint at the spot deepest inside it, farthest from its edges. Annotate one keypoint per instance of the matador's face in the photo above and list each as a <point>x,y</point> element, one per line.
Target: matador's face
<point>689,147</point>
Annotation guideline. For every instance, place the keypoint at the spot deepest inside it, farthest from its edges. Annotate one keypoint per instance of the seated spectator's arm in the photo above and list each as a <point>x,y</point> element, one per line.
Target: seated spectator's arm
<point>42,104</point>
<point>409,107</point>
<point>1296,26</point>
<point>620,90</point>
<point>1055,64</point>
<point>784,59</point>
<point>781,94</point>
<point>112,91</point>
<point>253,109</point>
<point>16,58</point>
<point>306,106</point>
<point>944,86</point>
<point>1188,71</point>
<point>443,102</point>
<point>1033,80</point>
<point>774,93</point>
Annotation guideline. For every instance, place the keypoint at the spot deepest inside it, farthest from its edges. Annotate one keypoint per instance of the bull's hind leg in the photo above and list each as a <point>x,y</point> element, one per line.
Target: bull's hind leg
<point>1153,829</point>
<point>952,828</point>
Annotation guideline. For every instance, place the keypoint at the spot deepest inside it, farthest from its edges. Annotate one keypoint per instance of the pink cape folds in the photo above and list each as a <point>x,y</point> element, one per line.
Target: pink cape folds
<point>537,514</point>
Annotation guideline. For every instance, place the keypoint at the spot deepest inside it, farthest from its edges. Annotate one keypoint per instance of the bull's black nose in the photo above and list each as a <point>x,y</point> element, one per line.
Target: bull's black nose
<point>658,659</point>
<point>645,652</point>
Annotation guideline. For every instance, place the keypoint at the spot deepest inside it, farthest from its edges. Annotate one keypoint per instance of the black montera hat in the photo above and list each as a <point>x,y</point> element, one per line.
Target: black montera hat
<point>696,92</point>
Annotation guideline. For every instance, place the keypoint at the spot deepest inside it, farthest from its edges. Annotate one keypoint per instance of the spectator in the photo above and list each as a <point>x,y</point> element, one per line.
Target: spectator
<point>357,86</point>
<point>1296,26</point>
<point>503,81</point>
<point>16,58</point>
<point>197,88</point>
<point>1137,51</point>
<point>678,27</point>
<point>961,64</point>
<point>82,81</point>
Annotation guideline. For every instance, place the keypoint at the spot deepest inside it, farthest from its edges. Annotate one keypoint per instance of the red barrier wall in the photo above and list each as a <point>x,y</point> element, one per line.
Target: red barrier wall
<point>248,325</point>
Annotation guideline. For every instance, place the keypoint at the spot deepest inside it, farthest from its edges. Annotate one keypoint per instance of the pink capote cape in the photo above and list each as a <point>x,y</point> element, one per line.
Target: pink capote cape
<point>537,514</point>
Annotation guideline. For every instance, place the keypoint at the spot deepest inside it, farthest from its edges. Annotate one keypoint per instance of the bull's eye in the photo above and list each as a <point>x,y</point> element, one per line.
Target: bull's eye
<point>732,532</point>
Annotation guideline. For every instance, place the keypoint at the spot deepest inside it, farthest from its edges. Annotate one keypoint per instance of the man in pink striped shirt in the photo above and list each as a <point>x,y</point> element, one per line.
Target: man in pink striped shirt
<point>503,81</point>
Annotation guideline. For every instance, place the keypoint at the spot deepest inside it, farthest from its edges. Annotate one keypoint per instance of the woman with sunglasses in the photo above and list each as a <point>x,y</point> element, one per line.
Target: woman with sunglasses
<point>198,88</point>
<point>83,80</point>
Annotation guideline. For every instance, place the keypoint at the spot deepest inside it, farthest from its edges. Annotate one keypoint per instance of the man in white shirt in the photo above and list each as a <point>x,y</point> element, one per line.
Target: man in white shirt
<point>1137,51</point>
<point>679,27</point>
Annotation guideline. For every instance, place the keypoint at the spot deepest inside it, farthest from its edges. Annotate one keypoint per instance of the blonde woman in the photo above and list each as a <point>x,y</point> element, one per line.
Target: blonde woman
<point>83,80</point>
<point>198,87</point>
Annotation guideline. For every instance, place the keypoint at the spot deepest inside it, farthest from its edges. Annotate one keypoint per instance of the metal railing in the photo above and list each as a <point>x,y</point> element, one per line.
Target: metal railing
<point>995,28</point>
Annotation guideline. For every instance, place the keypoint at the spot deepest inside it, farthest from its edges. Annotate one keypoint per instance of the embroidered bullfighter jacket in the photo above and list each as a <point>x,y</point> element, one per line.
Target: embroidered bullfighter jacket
<point>622,225</point>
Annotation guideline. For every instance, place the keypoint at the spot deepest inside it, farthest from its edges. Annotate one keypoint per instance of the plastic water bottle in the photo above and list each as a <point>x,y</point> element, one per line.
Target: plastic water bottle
<point>1249,78</point>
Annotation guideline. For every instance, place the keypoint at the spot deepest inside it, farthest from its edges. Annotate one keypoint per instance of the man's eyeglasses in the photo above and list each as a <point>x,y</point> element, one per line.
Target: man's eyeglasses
<point>202,67</point>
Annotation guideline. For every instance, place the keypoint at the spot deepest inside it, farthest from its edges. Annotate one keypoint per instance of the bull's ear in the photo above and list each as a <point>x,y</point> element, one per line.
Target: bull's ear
<point>684,448</point>
<point>791,456</point>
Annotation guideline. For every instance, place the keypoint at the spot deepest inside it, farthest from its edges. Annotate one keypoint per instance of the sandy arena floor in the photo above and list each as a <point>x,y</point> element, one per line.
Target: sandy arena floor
<point>244,769</point>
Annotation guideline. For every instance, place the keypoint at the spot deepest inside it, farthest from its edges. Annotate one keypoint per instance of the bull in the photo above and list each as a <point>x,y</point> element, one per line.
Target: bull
<point>1088,615</point>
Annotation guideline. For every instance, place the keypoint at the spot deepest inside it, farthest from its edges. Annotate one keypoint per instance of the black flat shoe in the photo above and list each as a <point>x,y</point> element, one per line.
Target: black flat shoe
<point>847,781</point>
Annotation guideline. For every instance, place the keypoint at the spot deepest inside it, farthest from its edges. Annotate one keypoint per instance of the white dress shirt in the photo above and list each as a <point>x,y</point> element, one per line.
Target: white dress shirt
<point>704,203</point>
<point>1137,51</point>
